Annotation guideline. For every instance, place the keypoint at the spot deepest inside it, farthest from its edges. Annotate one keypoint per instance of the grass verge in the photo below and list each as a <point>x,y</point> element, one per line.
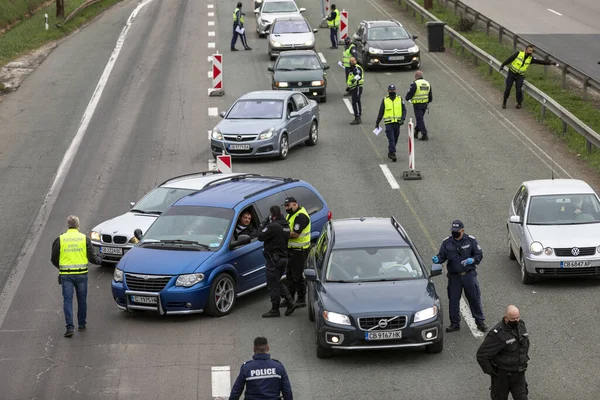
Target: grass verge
<point>569,98</point>
<point>13,11</point>
<point>31,34</point>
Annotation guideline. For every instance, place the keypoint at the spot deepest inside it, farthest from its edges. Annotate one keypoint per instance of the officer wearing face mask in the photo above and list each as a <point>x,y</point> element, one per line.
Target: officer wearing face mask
<point>463,254</point>
<point>393,113</point>
<point>504,355</point>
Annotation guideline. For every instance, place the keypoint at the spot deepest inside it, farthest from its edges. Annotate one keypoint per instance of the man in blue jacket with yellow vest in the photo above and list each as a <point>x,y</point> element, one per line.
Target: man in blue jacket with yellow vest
<point>238,23</point>
<point>355,82</point>
<point>420,95</point>
<point>393,113</point>
<point>71,253</point>
<point>333,22</point>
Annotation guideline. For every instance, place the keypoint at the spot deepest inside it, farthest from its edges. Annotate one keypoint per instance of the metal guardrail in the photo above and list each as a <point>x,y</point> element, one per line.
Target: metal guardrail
<point>546,102</point>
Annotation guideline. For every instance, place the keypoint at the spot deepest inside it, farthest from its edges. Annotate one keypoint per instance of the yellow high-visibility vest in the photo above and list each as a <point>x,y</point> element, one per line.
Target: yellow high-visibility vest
<point>302,241</point>
<point>241,21</point>
<point>422,93</point>
<point>351,83</point>
<point>73,253</point>
<point>335,23</point>
<point>393,110</point>
<point>347,56</point>
<point>519,64</point>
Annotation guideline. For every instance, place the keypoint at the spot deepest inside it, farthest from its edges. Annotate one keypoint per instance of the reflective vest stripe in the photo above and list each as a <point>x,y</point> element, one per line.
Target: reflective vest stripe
<point>519,64</point>
<point>347,56</point>
<point>351,83</point>
<point>393,110</point>
<point>335,23</point>
<point>73,269</point>
<point>73,253</point>
<point>422,93</point>
<point>302,241</point>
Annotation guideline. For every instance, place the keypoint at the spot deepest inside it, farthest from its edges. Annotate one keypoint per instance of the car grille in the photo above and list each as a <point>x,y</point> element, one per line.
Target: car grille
<point>107,238</point>
<point>120,239</point>
<point>372,323</point>
<point>583,251</point>
<point>584,271</point>
<point>246,138</point>
<point>299,84</point>
<point>392,52</point>
<point>153,283</point>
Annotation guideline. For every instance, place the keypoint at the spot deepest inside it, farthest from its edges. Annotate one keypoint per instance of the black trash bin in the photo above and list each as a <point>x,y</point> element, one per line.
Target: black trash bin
<point>435,36</point>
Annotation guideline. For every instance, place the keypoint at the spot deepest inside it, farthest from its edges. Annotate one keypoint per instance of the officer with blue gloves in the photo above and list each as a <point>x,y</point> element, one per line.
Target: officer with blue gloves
<point>265,378</point>
<point>463,254</point>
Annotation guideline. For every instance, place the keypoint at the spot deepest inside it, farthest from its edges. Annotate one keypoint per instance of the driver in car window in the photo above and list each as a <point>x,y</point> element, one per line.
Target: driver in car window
<point>245,226</point>
<point>402,262</point>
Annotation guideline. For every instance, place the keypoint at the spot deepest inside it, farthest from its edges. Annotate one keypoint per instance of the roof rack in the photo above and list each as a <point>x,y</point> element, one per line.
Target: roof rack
<point>232,178</point>
<point>284,181</point>
<point>203,173</point>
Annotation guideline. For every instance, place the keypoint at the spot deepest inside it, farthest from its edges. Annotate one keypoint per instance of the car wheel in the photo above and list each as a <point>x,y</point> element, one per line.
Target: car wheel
<point>526,277</point>
<point>322,352</point>
<point>314,134</point>
<point>435,347</point>
<point>511,253</point>
<point>284,147</point>
<point>222,296</point>
<point>311,312</point>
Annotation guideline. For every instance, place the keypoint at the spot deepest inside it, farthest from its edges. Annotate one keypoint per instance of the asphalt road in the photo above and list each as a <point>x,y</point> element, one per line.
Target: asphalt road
<point>569,30</point>
<point>151,123</point>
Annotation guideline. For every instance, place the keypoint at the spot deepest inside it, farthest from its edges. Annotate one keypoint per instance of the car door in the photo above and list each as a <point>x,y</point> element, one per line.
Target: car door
<point>358,41</point>
<point>292,124</point>
<point>304,121</point>
<point>519,210</point>
<point>320,262</point>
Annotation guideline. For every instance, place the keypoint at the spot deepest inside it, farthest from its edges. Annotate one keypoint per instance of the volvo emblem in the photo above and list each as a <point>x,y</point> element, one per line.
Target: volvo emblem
<point>299,83</point>
<point>145,277</point>
<point>575,251</point>
<point>382,323</point>
<point>238,138</point>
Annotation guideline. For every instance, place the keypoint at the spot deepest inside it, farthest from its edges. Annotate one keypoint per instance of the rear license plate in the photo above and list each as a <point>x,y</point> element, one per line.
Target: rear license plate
<point>396,58</point>
<point>303,90</point>
<point>383,335</point>
<point>145,300</point>
<point>575,264</point>
<point>111,250</point>
<point>239,147</point>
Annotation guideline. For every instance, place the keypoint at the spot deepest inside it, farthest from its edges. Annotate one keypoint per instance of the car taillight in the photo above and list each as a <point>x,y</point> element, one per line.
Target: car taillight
<point>329,215</point>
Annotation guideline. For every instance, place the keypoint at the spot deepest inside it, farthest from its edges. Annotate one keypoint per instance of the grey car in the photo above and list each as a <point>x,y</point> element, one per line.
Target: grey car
<point>113,238</point>
<point>271,9</point>
<point>266,123</point>
<point>300,71</point>
<point>290,33</point>
<point>554,229</point>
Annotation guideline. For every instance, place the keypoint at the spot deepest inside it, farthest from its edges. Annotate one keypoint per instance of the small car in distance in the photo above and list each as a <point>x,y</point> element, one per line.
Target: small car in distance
<point>290,33</point>
<point>271,9</point>
<point>300,71</point>
<point>553,229</point>
<point>368,289</point>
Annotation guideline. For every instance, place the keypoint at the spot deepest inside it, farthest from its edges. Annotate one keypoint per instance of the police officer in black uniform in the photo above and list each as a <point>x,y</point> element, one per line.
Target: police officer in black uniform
<point>463,254</point>
<point>275,232</point>
<point>504,355</point>
<point>265,378</point>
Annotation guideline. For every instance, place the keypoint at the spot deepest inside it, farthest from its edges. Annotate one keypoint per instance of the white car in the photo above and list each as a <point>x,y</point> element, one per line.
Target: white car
<point>113,238</point>
<point>271,9</point>
<point>290,33</point>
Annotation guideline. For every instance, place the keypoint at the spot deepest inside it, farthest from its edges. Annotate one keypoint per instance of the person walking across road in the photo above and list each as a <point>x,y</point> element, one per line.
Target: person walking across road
<point>349,52</point>
<point>355,81</point>
<point>238,28</point>
<point>275,233</point>
<point>263,377</point>
<point>333,22</point>
<point>393,113</point>
<point>71,253</point>
<point>463,254</point>
<point>420,95</point>
<point>504,355</point>
<point>519,62</point>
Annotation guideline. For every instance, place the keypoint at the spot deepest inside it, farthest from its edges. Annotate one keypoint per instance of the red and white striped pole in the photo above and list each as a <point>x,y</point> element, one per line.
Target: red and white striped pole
<point>217,75</point>
<point>343,33</point>
<point>411,174</point>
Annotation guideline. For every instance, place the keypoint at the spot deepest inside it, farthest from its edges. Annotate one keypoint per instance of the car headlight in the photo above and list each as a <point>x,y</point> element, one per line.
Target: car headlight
<point>95,235</point>
<point>414,49</point>
<point>426,314</point>
<point>216,134</point>
<point>548,251</point>
<point>336,318</point>
<point>309,42</point>
<point>536,248</point>
<point>598,249</point>
<point>373,50</point>
<point>134,240</point>
<point>118,275</point>
<point>281,84</point>
<point>275,44</point>
<point>317,83</point>
<point>267,134</point>
<point>189,280</point>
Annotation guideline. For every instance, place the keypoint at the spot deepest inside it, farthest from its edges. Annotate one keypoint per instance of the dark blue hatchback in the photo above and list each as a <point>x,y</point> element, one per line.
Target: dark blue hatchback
<point>189,260</point>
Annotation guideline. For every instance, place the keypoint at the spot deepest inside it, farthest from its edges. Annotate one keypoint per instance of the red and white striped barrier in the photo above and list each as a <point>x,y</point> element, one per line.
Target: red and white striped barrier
<point>411,174</point>
<point>217,75</point>
<point>343,26</point>
<point>224,164</point>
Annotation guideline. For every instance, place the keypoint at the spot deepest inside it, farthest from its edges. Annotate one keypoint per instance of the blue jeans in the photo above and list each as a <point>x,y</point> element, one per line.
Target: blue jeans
<point>392,131</point>
<point>468,282</point>
<point>78,282</point>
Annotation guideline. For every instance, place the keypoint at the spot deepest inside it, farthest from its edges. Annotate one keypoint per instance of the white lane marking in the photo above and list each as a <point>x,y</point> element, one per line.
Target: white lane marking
<point>221,381</point>
<point>555,12</point>
<point>211,14</point>
<point>211,45</point>
<point>349,106</point>
<point>209,73</point>
<point>210,5</point>
<point>211,23</point>
<point>389,176</point>
<point>469,320</point>
<point>213,111</point>
<point>211,33</point>
<point>322,57</point>
<point>16,276</point>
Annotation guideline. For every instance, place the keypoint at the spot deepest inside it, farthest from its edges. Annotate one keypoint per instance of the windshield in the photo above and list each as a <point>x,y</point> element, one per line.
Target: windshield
<point>563,210</point>
<point>373,264</point>
<point>256,109</point>
<point>279,7</point>
<point>297,26</point>
<point>159,199</point>
<point>298,62</point>
<point>203,225</point>
<point>387,33</point>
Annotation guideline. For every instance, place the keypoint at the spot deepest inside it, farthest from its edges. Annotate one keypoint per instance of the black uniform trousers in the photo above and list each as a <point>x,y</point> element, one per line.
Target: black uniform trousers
<point>235,36</point>
<point>333,36</point>
<point>509,382</point>
<point>420,110</point>
<point>275,268</point>
<point>518,80</point>
<point>294,273</point>
<point>356,103</point>
<point>392,131</point>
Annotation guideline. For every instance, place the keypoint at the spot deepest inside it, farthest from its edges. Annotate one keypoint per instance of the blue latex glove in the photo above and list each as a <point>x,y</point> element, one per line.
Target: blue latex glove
<point>435,259</point>
<point>468,261</point>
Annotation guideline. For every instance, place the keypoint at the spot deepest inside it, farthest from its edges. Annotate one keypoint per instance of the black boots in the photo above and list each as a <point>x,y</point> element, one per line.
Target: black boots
<point>392,156</point>
<point>273,312</point>
<point>356,121</point>
<point>290,305</point>
<point>301,301</point>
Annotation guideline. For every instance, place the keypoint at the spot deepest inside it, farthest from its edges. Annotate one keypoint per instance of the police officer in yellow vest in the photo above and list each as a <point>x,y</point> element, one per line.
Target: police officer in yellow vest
<point>519,62</point>
<point>420,95</point>
<point>393,113</point>
<point>333,22</point>
<point>238,23</point>
<point>71,253</point>
<point>355,81</point>
<point>298,246</point>
<point>349,52</point>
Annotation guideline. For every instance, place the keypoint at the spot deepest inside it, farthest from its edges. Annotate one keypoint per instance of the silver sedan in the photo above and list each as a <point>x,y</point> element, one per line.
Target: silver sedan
<point>554,229</point>
<point>290,33</point>
<point>271,9</point>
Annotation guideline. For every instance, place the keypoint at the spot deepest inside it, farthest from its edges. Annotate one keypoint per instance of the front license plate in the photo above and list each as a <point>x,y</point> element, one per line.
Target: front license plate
<point>303,90</point>
<point>239,147</point>
<point>575,264</point>
<point>145,300</point>
<point>396,58</point>
<point>383,335</point>
<point>111,250</point>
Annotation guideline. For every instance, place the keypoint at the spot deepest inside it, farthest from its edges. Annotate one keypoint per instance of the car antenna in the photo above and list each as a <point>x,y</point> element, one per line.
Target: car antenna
<point>552,171</point>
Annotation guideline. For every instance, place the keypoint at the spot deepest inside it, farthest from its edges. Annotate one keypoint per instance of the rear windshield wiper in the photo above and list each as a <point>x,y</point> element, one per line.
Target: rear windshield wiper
<point>137,210</point>
<point>284,69</point>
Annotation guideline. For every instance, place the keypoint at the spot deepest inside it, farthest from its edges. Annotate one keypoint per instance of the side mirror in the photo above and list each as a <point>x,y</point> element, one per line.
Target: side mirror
<point>415,37</point>
<point>294,114</point>
<point>241,241</point>
<point>436,269</point>
<point>138,234</point>
<point>514,219</point>
<point>131,204</point>
<point>270,69</point>
<point>315,30</point>
<point>222,114</point>
<point>310,275</point>
<point>325,67</point>
<point>302,9</point>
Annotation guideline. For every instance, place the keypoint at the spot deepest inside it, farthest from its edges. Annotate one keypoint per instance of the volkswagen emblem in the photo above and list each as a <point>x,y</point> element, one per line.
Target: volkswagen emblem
<point>382,323</point>
<point>145,277</point>
<point>299,83</point>
<point>575,251</point>
<point>238,138</point>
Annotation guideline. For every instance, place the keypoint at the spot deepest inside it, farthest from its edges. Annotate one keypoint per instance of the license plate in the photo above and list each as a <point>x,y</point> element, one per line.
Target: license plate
<point>239,147</point>
<point>303,90</point>
<point>383,335</point>
<point>396,58</point>
<point>145,300</point>
<point>111,250</point>
<point>575,264</point>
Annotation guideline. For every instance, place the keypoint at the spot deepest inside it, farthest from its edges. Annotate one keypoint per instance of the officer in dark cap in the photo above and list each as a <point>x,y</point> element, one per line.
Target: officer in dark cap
<point>463,254</point>
<point>393,112</point>
<point>504,355</point>
<point>264,377</point>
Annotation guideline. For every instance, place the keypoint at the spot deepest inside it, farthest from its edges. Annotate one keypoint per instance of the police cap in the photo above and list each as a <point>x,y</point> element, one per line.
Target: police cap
<point>391,88</point>
<point>289,200</point>
<point>457,225</point>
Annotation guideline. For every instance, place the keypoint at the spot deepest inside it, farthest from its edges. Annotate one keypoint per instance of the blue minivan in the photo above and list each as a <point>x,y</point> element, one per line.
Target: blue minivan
<point>188,260</point>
